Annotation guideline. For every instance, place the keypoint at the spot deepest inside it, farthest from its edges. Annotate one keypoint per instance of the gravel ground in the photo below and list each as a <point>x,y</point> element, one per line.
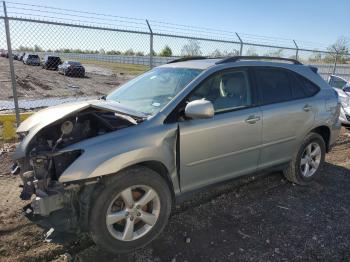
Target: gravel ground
<point>33,82</point>
<point>260,218</point>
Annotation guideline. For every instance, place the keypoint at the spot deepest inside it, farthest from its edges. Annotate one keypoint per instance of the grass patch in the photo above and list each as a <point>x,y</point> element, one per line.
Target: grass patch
<point>130,69</point>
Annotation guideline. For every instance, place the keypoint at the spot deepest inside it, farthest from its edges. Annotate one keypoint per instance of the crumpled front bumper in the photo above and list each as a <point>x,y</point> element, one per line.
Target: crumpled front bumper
<point>44,206</point>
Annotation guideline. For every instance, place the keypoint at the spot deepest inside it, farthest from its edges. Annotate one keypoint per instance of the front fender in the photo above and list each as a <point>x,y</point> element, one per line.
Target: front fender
<point>111,153</point>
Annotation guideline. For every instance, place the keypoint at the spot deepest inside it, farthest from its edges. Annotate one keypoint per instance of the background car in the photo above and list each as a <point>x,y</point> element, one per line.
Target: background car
<point>20,56</point>
<point>31,59</point>
<point>3,53</point>
<point>51,62</point>
<point>343,89</point>
<point>72,68</point>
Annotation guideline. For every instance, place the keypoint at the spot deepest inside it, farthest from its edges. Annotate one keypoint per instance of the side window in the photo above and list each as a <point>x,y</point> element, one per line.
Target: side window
<point>308,88</point>
<point>226,90</point>
<point>274,85</point>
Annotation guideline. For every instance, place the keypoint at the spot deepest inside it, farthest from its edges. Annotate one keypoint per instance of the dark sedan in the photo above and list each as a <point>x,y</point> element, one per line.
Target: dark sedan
<point>72,68</point>
<point>51,62</point>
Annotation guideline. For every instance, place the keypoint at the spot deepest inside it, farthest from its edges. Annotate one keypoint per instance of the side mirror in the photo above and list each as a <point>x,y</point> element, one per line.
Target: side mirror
<point>346,89</point>
<point>199,109</point>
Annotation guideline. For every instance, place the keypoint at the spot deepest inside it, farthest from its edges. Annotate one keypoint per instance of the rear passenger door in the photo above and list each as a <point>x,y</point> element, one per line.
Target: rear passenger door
<point>288,107</point>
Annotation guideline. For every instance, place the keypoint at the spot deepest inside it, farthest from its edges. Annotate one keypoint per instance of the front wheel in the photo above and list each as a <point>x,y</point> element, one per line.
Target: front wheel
<point>308,161</point>
<point>130,211</point>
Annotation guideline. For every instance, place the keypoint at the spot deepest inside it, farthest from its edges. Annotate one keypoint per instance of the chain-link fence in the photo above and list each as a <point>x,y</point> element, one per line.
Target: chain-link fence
<point>61,55</point>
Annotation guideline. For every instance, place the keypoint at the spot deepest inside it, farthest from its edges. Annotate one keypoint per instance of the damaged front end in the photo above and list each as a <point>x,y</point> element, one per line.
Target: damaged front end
<point>41,157</point>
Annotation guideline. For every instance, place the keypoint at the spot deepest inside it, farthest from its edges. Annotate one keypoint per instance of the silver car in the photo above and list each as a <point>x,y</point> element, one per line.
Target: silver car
<point>343,89</point>
<point>114,167</point>
<point>31,59</point>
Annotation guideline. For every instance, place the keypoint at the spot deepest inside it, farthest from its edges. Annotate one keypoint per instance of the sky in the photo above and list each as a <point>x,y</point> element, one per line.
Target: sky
<point>313,24</point>
<point>317,21</point>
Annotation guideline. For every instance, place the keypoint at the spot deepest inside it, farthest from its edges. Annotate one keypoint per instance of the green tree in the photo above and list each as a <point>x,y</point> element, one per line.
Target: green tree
<point>166,51</point>
<point>129,52</point>
<point>113,52</point>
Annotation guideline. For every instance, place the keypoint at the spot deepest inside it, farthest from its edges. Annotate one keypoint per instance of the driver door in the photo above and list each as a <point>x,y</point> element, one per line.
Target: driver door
<point>227,145</point>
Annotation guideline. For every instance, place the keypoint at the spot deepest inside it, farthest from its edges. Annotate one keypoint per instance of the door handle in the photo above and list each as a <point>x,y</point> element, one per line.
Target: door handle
<point>252,119</point>
<point>307,108</point>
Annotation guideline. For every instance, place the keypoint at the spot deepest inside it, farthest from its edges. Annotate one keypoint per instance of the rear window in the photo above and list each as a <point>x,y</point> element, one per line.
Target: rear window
<point>74,63</point>
<point>307,86</point>
<point>274,85</point>
<point>55,58</point>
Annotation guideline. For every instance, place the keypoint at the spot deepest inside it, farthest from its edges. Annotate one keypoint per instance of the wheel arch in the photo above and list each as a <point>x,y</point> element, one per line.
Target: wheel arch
<point>89,192</point>
<point>325,132</point>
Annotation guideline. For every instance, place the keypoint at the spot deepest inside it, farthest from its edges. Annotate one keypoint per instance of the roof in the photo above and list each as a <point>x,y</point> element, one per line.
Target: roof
<point>204,62</point>
<point>196,64</point>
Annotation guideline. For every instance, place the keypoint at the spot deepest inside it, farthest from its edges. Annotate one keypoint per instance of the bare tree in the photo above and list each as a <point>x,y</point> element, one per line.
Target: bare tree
<point>216,53</point>
<point>275,53</point>
<point>251,52</point>
<point>340,50</point>
<point>192,48</point>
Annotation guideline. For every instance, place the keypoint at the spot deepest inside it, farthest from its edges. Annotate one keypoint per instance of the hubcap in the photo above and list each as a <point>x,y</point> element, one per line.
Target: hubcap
<point>133,213</point>
<point>310,159</point>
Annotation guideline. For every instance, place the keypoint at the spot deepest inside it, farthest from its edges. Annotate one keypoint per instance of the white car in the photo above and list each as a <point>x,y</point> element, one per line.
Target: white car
<point>343,89</point>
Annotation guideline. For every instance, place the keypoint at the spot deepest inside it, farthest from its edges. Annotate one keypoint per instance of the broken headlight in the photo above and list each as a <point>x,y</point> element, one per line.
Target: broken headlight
<point>63,160</point>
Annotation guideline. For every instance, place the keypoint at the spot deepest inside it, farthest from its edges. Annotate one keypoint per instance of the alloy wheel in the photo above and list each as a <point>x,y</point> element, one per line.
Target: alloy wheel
<point>133,213</point>
<point>310,159</point>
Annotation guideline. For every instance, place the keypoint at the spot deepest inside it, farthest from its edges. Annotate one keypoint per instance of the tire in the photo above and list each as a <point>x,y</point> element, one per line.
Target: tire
<point>106,236</point>
<point>295,172</point>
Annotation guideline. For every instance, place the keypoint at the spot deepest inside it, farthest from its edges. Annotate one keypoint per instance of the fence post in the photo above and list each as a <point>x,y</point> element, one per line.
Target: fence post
<point>150,45</point>
<point>335,61</point>
<point>297,50</point>
<point>241,45</point>
<point>12,69</point>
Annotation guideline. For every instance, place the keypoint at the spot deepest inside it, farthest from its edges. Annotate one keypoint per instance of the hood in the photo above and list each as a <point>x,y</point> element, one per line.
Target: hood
<point>51,114</point>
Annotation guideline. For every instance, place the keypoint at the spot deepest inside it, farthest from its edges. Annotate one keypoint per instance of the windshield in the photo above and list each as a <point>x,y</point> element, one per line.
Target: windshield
<point>151,91</point>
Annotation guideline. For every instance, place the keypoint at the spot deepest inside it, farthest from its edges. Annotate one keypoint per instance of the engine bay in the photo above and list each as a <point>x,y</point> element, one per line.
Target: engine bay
<point>47,159</point>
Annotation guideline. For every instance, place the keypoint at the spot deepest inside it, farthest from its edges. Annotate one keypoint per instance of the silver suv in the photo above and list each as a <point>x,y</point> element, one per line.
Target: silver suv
<point>114,167</point>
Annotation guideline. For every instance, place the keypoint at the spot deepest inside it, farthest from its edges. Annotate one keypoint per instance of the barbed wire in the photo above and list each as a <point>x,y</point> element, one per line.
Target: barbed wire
<point>23,9</point>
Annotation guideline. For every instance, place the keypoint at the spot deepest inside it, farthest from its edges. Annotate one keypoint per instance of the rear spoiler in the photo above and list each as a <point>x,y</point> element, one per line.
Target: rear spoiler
<point>313,68</point>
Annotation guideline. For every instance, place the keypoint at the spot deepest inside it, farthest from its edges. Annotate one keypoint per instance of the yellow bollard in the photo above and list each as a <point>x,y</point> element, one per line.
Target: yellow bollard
<point>8,122</point>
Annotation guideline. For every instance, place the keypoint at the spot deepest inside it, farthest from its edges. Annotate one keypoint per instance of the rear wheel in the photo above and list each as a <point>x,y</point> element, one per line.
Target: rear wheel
<point>306,164</point>
<point>130,211</point>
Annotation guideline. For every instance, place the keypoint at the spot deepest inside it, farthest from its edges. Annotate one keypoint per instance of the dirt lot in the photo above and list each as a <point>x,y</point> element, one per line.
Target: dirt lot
<point>261,218</point>
<point>33,82</point>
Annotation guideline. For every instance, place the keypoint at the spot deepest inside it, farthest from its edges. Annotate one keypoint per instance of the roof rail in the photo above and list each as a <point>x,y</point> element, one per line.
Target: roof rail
<point>187,58</point>
<point>237,58</point>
